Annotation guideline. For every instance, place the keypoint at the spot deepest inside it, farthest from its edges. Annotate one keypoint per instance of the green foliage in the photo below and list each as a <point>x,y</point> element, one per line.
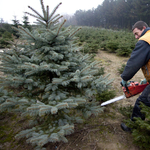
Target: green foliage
<point>90,48</point>
<point>15,24</point>
<point>4,43</point>
<point>119,42</point>
<point>48,79</point>
<point>10,124</point>
<point>126,111</point>
<point>26,22</point>
<point>140,128</point>
<point>121,69</point>
<point>124,50</point>
<point>4,39</point>
<point>106,95</point>
<point>6,132</point>
<point>112,46</point>
<point>6,32</point>
<point>5,27</point>
<point>5,35</point>
<point>114,14</point>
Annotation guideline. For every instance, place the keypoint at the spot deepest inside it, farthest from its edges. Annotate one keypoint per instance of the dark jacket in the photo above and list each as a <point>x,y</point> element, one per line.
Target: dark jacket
<point>139,57</point>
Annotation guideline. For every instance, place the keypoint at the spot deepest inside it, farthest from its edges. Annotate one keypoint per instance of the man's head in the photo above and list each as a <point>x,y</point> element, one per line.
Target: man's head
<point>138,28</point>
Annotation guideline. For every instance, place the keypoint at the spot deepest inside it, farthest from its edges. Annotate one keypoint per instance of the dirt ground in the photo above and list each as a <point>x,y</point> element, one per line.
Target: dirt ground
<point>102,132</point>
<point>111,63</point>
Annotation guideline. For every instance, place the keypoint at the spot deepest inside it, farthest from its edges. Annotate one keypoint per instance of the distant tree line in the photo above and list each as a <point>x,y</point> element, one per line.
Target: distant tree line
<point>115,14</point>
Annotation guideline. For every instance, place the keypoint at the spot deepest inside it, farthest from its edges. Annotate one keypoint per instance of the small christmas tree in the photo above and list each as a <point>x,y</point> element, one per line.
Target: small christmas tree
<point>26,22</point>
<point>48,78</point>
<point>141,128</point>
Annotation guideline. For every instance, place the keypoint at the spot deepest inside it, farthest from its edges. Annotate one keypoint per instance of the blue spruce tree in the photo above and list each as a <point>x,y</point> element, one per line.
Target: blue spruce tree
<point>47,78</point>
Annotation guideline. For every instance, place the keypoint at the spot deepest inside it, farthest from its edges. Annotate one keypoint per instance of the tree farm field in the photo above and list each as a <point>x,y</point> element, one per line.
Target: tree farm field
<point>100,132</point>
<point>103,132</point>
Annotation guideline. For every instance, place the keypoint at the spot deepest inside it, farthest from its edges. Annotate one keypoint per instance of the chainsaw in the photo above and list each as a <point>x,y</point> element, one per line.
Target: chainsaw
<point>132,89</point>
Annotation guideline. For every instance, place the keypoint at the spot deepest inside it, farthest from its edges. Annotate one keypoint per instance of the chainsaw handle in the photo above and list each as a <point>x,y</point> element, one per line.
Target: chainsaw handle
<point>125,86</point>
<point>121,83</point>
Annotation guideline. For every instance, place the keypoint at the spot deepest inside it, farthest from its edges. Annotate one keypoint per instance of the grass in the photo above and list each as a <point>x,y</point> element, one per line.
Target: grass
<point>10,125</point>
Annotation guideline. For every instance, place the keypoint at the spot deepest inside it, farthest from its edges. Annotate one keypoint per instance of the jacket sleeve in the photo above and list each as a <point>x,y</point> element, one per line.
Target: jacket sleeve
<point>139,56</point>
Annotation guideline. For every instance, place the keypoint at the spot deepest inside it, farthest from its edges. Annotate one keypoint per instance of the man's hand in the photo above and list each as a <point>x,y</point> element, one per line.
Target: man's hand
<point>124,83</point>
<point>143,81</point>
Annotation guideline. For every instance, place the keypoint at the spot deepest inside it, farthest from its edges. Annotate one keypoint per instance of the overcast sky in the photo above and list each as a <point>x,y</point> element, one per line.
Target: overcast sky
<point>11,8</point>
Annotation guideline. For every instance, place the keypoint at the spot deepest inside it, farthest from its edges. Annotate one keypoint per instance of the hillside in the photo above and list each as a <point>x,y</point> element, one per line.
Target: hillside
<point>98,133</point>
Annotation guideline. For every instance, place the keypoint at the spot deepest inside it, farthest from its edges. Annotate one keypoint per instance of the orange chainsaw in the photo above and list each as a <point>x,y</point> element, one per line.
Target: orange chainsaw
<point>132,89</point>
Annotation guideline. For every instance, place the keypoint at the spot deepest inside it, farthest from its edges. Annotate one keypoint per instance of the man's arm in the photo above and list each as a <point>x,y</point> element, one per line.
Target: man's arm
<point>139,56</point>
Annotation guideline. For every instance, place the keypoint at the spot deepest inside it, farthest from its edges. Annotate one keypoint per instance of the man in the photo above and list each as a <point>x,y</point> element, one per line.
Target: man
<point>140,58</point>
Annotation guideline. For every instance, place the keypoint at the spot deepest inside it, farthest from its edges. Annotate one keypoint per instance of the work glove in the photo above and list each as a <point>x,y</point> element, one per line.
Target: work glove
<point>143,81</point>
<point>124,83</point>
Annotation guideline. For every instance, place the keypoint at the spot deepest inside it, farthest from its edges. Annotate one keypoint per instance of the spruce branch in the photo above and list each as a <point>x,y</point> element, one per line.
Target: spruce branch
<point>40,22</point>
<point>55,21</point>
<point>54,10</point>
<point>42,4</point>
<point>36,12</point>
<point>55,17</point>
<point>72,34</point>
<point>33,15</point>
<point>47,12</point>
<point>50,24</point>
<point>61,26</point>
<point>12,42</point>
<point>26,32</point>
<point>53,33</point>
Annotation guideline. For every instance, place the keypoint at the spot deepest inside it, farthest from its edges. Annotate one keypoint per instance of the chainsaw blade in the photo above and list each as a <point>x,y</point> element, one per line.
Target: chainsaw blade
<point>113,100</point>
